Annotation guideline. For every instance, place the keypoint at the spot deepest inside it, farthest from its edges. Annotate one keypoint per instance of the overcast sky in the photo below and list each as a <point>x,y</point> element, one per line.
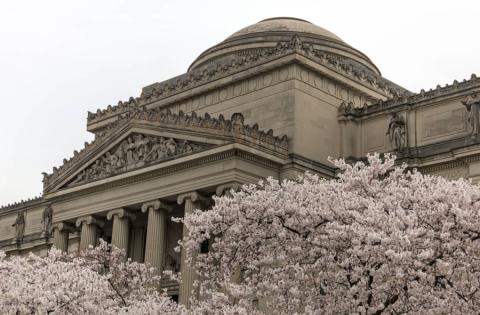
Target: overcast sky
<point>60,59</point>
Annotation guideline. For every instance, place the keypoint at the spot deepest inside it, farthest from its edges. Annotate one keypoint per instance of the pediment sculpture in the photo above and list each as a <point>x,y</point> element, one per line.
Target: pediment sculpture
<point>136,151</point>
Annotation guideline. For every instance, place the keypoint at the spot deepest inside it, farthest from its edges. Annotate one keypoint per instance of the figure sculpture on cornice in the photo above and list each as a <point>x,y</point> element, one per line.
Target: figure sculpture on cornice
<point>472,104</point>
<point>19,226</point>
<point>396,132</point>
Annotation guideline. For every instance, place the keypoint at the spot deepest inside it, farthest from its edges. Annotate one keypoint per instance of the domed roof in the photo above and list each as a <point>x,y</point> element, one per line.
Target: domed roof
<point>285,24</point>
<point>267,33</point>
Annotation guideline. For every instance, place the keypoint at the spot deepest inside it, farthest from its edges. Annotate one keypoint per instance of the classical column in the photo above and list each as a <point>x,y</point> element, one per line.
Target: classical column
<point>61,231</point>
<point>192,201</point>
<point>227,188</point>
<point>137,244</point>
<point>156,243</point>
<point>121,228</point>
<point>89,226</point>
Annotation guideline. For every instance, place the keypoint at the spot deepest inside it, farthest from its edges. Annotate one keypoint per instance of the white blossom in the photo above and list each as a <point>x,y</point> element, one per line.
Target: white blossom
<point>96,281</point>
<point>378,239</point>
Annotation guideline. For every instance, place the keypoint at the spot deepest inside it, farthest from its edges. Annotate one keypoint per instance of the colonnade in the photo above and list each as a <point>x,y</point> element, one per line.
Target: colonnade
<point>156,239</point>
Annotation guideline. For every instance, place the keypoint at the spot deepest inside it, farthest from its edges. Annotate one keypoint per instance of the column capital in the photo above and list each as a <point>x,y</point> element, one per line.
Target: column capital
<point>221,189</point>
<point>63,226</point>
<point>156,205</point>
<point>192,195</point>
<point>89,219</point>
<point>121,213</point>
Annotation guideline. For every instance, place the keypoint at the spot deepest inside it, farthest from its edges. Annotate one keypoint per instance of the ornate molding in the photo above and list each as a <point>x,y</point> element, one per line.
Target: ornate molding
<point>221,156</point>
<point>236,63</point>
<point>121,213</point>
<point>156,205</point>
<point>194,196</point>
<point>89,219</point>
<point>349,109</point>
<point>63,226</point>
<point>22,204</point>
<point>233,129</point>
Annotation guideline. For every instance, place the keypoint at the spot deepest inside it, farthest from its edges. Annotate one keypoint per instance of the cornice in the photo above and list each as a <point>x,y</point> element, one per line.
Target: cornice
<point>234,129</point>
<point>21,205</point>
<point>220,156</point>
<point>420,99</point>
<point>238,63</point>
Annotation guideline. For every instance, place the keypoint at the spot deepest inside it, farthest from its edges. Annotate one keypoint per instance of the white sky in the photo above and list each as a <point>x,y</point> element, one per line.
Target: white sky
<point>59,59</point>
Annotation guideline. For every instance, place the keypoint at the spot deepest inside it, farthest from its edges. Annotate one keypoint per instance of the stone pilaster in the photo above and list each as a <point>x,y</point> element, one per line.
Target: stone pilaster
<point>156,243</point>
<point>89,233</point>
<point>121,228</point>
<point>192,200</point>
<point>61,232</point>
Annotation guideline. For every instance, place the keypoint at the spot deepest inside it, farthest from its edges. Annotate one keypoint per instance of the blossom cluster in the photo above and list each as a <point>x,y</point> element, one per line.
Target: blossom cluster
<point>378,239</point>
<point>96,281</point>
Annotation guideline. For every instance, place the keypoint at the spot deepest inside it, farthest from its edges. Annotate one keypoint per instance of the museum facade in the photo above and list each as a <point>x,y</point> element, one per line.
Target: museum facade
<point>276,98</point>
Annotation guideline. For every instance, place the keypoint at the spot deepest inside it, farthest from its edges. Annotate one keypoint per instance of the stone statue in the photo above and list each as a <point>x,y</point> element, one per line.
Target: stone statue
<point>472,104</point>
<point>47,218</point>
<point>396,132</point>
<point>19,226</point>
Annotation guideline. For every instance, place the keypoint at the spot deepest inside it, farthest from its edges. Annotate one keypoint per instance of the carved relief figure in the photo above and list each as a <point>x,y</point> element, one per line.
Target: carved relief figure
<point>19,226</point>
<point>472,104</point>
<point>136,151</point>
<point>396,132</point>
<point>47,217</point>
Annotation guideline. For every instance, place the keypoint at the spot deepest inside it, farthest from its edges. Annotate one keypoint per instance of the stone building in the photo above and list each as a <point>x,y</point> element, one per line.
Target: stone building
<point>276,98</point>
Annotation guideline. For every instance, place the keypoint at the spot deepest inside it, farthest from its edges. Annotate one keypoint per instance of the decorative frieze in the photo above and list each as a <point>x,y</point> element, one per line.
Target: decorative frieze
<point>136,153</point>
<point>351,109</point>
<point>236,63</point>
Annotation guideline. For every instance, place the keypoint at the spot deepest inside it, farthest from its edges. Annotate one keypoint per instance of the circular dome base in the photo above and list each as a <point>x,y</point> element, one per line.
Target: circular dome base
<point>267,33</point>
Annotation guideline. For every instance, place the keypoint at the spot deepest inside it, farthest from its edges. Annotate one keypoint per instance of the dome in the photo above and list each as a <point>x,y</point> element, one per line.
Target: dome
<point>285,24</point>
<point>267,33</point>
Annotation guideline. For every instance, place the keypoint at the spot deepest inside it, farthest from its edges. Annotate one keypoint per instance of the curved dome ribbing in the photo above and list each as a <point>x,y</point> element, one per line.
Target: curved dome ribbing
<point>267,33</point>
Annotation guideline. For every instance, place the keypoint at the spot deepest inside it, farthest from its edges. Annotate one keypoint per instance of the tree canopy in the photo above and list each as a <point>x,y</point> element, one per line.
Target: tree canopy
<point>378,239</point>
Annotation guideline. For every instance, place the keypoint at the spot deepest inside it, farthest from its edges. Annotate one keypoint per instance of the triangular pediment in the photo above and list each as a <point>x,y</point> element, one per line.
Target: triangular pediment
<point>146,137</point>
<point>135,151</point>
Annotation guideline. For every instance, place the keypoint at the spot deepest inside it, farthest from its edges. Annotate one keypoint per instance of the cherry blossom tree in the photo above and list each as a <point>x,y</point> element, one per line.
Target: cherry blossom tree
<point>378,239</point>
<point>96,281</point>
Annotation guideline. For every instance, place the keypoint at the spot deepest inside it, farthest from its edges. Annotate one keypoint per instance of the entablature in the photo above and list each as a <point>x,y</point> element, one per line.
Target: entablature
<point>456,90</point>
<point>151,136</point>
